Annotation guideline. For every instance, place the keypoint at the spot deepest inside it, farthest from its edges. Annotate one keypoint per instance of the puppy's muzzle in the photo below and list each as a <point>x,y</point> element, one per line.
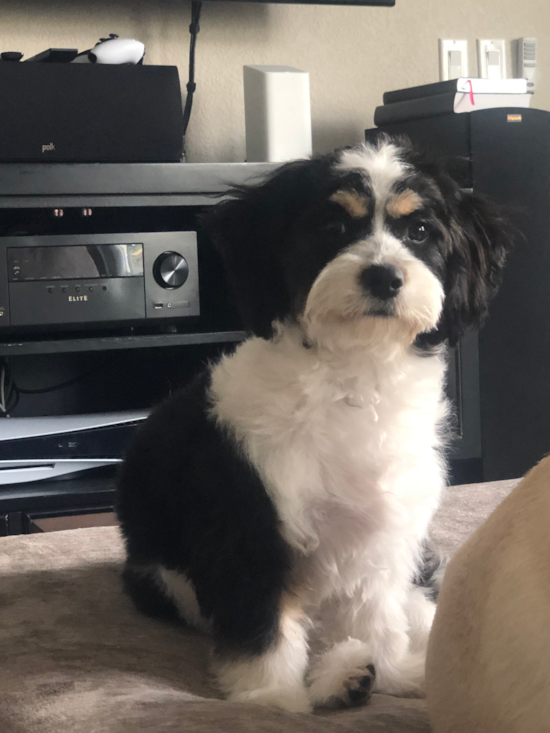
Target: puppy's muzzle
<point>383,282</point>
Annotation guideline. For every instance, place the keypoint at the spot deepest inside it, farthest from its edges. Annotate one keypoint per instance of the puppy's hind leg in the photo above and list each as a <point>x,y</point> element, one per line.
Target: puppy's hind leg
<point>270,666</point>
<point>142,585</point>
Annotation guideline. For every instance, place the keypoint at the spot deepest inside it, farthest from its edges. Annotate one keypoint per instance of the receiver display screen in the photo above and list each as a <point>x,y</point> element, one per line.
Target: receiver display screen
<point>75,262</point>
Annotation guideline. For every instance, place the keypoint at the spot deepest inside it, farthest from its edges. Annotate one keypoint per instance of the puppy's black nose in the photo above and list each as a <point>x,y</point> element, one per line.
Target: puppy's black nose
<point>382,281</point>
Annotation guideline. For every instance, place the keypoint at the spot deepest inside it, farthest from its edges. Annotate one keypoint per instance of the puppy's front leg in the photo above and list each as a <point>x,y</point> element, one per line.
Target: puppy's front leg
<point>272,675</point>
<point>370,628</point>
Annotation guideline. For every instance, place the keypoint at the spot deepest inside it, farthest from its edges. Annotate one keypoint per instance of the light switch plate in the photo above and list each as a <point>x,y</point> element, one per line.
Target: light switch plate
<point>453,59</point>
<point>491,58</point>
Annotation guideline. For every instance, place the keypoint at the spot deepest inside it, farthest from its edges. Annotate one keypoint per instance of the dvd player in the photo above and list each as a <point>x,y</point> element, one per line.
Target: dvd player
<point>38,448</point>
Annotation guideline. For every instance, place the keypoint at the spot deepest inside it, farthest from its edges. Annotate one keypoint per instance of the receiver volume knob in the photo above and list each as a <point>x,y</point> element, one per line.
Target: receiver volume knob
<point>170,270</point>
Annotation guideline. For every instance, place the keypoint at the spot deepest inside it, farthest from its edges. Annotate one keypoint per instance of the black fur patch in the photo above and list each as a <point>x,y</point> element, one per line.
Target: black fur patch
<point>476,238</point>
<point>189,500</point>
<point>147,596</point>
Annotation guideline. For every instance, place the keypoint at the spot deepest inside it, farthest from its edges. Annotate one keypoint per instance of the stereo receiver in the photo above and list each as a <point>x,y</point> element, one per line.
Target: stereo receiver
<point>98,279</point>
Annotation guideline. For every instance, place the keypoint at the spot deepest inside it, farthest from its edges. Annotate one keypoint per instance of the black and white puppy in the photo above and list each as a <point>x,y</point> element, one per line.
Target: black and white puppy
<point>290,487</point>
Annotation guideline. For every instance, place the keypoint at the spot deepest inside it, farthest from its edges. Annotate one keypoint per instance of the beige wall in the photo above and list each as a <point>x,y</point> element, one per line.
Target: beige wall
<point>353,54</point>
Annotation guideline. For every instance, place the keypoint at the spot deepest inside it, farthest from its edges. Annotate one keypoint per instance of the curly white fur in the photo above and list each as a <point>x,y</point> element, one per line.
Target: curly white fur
<point>355,487</point>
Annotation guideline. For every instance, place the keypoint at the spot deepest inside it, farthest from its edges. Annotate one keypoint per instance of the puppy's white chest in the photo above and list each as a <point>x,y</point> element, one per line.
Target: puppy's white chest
<point>338,449</point>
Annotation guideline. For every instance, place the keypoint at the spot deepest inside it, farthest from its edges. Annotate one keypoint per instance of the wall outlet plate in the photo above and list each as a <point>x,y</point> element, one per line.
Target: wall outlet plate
<point>491,58</point>
<point>526,61</point>
<point>453,59</point>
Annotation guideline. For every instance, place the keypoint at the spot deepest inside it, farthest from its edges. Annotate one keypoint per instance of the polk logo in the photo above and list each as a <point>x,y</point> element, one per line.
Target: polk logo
<point>77,298</point>
<point>46,148</point>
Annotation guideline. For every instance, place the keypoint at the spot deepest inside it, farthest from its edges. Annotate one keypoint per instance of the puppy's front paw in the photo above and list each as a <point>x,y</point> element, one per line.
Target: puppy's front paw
<point>343,676</point>
<point>358,686</point>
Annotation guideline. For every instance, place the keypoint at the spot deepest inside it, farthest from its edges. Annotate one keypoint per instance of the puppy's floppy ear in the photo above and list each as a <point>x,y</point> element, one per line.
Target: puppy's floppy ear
<point>251,231</point>
<point>480,238</point>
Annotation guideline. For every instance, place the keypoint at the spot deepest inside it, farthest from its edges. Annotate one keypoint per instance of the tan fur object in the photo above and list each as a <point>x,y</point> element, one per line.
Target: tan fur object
<point>404,203</point>
<point>488,665</point>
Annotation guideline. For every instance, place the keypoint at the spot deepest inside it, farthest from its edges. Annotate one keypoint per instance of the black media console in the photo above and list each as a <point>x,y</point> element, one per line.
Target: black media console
<point>130,367</point>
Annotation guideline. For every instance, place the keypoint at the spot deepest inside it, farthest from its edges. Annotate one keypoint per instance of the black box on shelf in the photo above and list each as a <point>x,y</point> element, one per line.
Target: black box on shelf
<point>90,113</point>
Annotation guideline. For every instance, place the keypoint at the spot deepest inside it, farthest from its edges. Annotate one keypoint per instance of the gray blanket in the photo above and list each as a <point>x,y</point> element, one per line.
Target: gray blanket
<point>76,657</point>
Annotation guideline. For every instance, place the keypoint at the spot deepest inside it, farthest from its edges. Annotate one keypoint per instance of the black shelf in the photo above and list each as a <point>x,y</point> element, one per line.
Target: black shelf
<point>38,183</point>
<point>171,197</point>
<point>96,489</point>
<point>54,179</point>
<point>110,343</point>
<point>79,494</point>
<point>65,201</point>
<point>75,185</point>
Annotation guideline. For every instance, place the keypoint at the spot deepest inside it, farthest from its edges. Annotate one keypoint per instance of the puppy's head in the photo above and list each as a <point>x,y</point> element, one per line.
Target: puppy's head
<point>369,243</point>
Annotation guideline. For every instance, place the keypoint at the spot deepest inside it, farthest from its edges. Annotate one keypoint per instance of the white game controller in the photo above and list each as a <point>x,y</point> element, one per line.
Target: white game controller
<point>113,50</point>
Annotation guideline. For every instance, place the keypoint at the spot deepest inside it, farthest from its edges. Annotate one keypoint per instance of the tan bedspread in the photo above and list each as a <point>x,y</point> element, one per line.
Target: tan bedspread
<point>76,657</point>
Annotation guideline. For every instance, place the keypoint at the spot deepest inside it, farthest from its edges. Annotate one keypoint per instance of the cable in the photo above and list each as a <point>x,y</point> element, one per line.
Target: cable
<point>10,392</point>
<point>9,397</point>
<point>62,385</point>
<point>10,407</point>
<point>2,389</point>
<point>194,29</point>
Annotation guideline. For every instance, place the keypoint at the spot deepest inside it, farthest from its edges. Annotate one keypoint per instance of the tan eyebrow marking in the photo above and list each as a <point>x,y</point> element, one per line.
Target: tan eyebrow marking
<point>403,204</point>
<point>356,204</point>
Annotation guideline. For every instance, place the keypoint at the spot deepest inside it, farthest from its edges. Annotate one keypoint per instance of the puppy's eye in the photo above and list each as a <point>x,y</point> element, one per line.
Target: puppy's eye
<point>418,232</point>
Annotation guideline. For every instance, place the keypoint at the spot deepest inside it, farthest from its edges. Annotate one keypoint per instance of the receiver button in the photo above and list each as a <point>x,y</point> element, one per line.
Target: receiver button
<point>170,270</point>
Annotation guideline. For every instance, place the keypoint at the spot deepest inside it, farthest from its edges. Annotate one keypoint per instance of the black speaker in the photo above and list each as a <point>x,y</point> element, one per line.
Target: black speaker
<point>90,113</point>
